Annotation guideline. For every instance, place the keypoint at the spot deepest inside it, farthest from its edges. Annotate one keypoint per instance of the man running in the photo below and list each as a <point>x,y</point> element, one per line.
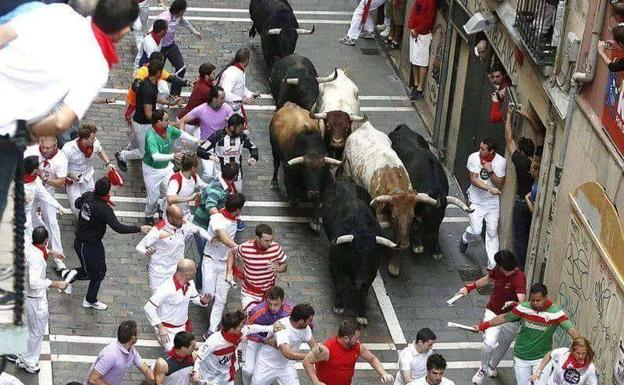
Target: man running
<point>436,366</point>
<point>184,184</point>
<point>413,359</point>
<point>174,367</point>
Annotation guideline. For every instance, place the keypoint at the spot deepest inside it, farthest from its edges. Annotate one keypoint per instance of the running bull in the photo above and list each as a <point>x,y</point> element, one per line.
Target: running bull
<point>338,109</point>
<point>297,141</point>
<point>356,244</point>
<point>294,79</point>
<point>428,176</point>
<point>278,28</point>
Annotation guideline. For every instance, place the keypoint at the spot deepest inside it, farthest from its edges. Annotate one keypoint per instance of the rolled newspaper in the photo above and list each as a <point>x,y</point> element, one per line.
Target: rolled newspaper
<point>454,299</point>
<point>461,326</point>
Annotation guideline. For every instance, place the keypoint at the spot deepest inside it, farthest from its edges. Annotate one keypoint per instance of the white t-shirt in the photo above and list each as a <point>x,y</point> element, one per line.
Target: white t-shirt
<point>77,162</point>
<point>423,381</point>
<point>273,358</point>
<point>570,376</point>
<point>55,167</point>
<point>215,248</point>
<point>54,58</point>
<point>416,363</point>
<point>476,194</point>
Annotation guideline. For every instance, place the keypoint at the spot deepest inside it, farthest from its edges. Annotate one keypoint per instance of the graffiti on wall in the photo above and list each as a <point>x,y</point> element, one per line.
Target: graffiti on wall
<point>432,85</point>
<point>590,296</point>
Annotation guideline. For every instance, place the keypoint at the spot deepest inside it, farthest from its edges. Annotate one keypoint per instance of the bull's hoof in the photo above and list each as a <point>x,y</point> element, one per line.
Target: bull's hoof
<point>362,320</point>
<point>273,184</point>
<point>436,256</point>
<point>418,249</point>
<point>394,267</point>
<point>316,227</point>
<point>338,309</point>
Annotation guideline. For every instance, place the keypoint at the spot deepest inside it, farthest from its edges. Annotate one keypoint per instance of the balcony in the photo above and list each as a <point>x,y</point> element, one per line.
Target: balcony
<point>535,22</point>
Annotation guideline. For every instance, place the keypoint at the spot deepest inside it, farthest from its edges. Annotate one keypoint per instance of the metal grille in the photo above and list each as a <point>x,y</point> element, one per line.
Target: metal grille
<point>535,21</point>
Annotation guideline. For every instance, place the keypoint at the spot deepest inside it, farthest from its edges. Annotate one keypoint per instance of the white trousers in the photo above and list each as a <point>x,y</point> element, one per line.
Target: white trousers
<point>48,214</point>
<point>249,356</point>
<point>265,375</point>
<point>37,319</point>
<point>171,332</point>
<point>369,25</point>
<point>155,279</point>
<point>248,301</point>
<point>212,170</point>
<point>136,148</point>
<point>153,179</point>
<point>489,212</point>
<point>75,191</point>
<point>496,340</point>
<point>213,283</point>
<point>524,369</point>
<point>139,28</point>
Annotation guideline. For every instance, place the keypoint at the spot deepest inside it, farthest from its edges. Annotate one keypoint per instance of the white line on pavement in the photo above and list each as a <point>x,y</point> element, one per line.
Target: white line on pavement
<point>248,20</point>
<point>388,311</point>
<point>239,10</point>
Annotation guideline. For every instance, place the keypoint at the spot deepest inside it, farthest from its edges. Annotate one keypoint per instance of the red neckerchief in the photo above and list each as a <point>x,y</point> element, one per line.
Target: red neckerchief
<point>257,247</point>
<point>488,158</point>
<point>232,338</point>
<point>231,186</point>
<point>179,286</point>
<point>239,66</point>
<point>106,45</point>
<point>28,178</point>
<point>575,363</point>
<point>45,163</point>
<point>367,8</point>
<point>45,256</point>
<point>106,198</point>
<point>162,132</point>
<point>227,214</point>
<point>86,150</point>
<point>172,353</point>
<point>156,38</point>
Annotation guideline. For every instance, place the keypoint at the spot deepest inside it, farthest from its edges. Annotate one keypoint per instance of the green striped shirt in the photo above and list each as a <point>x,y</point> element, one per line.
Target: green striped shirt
<point>213,196</point>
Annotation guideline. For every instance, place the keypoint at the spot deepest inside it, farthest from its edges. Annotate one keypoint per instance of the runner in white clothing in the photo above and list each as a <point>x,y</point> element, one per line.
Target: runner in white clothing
<point>216,363</point>
<point>150,44</point>
<point>232,80</point>
<point>487,176</point>
<point>221,230</point>
<point>36,301</point>
<point>52,171</point>
<point>413,359</point>
<point>167,309</point>
<point>277,363</point>
<point>80,154</point>
<point>436,365</point>
<point>165,244</point>
<point>185,186</point>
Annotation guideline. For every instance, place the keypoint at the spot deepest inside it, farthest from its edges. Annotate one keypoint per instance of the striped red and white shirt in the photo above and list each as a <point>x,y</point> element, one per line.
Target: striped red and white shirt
<point>257,266</point>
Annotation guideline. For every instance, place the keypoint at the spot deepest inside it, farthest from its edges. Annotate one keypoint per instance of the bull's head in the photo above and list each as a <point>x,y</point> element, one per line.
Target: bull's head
<point>365,245</point>
<point>400,209</point>
<point>314,168</point>
<point>337,126</point>
<point>287,39</point>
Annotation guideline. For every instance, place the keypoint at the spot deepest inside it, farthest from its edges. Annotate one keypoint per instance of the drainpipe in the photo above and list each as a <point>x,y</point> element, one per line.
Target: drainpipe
<point>437,122</point>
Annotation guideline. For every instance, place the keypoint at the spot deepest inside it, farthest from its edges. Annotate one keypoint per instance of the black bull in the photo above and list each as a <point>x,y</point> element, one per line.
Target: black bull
<point>294,79</point>
<point>356,245</point>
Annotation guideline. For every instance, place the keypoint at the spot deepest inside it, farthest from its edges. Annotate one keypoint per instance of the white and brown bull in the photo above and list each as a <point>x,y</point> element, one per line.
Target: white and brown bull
<point>338,109</point>
<point>369,159</point>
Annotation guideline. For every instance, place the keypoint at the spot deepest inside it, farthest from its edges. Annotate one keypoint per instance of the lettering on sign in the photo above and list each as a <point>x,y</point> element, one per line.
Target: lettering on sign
<point>502,44</point>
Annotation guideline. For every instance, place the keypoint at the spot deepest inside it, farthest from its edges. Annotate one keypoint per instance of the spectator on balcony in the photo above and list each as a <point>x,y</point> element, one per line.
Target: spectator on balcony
<point>481,49</point>
<point>420,25</point>
<point>501,81</point>
<point>613,62</point>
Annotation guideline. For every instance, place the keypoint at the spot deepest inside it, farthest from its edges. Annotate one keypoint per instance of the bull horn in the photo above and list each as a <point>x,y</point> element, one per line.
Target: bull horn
<point>357,118</point>
<point>458,202</point>
<point>385,242</point>
<point>318,115</point>
<point>303,31</point>
<point>295,161</point>
<point>293,81</point>
<point>332,161</point>
<point>274,31</point>
<point>381,199</point>
<point>328,78</point>
<point>343,239</point>
<point>425,198</point>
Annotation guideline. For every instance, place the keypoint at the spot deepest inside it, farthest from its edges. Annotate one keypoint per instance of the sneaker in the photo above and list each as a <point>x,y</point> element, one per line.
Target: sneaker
<point>416,95</point>
<point>367,35</point>
<point>462,246</point>
<point>6,272</point>
<point>97,306</point>
<point>490,371</point>
<point>123,166</point>
<point>478,377</point>
<point>12,357</point>
<point>385,32</point>
<point>7,300</point>
<point>33,369</point>
<point>381,27</point>
<point>68,275</point>
<point>346,40</point>
<point>59,265</point>
<point>240,226</point>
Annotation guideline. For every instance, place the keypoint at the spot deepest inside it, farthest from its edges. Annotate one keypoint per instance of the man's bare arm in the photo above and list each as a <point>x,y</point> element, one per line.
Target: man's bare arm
<point>54,124</point>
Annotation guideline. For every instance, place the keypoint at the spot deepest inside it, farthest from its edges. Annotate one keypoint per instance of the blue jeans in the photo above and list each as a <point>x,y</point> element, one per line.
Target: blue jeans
<point>201,243</point>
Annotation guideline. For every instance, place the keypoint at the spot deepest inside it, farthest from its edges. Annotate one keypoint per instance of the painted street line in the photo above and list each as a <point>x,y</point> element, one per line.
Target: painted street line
<point>240,10</point>
<point>248,20</point>
<point>268,96</point>
<point>392,321</point>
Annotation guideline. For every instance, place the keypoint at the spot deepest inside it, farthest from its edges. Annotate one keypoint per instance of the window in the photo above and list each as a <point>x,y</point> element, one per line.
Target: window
<point>537,21</point>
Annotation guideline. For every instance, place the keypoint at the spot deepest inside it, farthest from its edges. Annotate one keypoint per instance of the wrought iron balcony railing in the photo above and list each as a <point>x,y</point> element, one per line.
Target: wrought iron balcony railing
<point>535,21</point>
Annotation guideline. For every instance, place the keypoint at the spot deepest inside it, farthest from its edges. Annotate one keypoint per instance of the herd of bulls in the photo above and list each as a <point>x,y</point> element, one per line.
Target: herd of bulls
<point>380,180</point>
